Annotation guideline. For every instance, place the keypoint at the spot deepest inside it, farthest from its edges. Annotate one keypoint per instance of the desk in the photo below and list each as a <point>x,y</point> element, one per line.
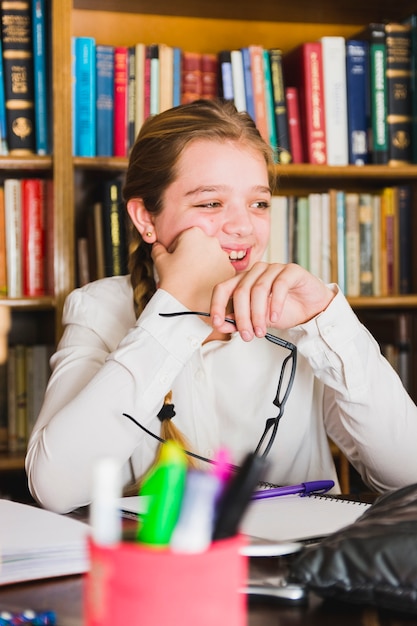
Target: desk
<point>64,596</point>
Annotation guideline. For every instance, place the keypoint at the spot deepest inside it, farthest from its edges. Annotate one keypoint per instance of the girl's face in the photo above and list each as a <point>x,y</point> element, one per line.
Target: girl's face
<point>223,189</point>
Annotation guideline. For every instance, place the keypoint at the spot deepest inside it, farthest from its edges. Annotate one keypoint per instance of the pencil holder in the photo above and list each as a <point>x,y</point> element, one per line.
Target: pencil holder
<point>134,584</point>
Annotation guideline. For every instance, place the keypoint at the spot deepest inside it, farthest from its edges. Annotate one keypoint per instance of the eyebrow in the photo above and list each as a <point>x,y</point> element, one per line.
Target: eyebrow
<point>222,188</point>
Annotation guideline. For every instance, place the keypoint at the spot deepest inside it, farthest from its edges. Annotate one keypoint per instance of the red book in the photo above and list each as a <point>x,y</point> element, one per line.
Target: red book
<point>120,133</point>
<point>209,76</point>
<point>191,78</point>
<point>258,88</point>
<point>294,124</point>
<point>303,68</point>
<point>33,237</point>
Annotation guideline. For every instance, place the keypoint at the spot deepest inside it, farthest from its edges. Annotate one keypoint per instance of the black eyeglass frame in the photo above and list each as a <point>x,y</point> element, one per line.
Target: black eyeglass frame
<point>271,423</point>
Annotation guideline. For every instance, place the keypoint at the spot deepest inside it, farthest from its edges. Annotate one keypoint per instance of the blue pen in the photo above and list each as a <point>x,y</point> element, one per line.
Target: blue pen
<point>303,489</point>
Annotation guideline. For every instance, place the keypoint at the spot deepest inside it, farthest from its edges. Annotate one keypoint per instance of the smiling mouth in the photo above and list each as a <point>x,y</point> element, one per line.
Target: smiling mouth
<point>237,255</point>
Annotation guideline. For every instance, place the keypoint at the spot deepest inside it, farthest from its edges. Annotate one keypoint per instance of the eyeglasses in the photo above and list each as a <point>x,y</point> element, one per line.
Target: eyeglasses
<point>285,383</point>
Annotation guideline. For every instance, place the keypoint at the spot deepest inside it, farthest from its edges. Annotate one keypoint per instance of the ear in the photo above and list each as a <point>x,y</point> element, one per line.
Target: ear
<point>141,219</point>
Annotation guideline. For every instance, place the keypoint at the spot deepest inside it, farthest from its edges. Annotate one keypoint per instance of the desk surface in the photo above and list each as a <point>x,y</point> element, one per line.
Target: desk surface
<point>64,596</point>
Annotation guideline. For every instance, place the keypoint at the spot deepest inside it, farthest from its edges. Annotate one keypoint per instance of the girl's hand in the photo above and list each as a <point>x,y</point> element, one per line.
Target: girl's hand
<point>269,295</point>
<point>191,267</point>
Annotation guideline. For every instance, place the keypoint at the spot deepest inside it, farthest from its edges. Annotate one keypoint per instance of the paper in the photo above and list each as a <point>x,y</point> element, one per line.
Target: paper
<point>35,543</point>
<point>297,518</point>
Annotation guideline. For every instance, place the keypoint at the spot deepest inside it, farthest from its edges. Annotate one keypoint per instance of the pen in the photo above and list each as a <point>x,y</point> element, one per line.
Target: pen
<point>313,487</point>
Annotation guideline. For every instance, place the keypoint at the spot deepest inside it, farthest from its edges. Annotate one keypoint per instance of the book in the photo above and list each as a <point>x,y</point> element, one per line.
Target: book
<point>278,249</point>
<point>294,124</point>
<point>303,68</point>
<point>226,75</point>
<point>405,238</point>
<point>140,53</point>
<point>131,97</point>
<point>40,22</point>
<point>11,400</point>
<point>166,77</point>
<point>3,250</point>
<point>302,250</point>
<point>4,426</point>
<point>411,20</point>
<point>315,234</point>
<point>13,218</point>
<point>19,396</point>
<point>398,79</point>
<point>114,229</point>
<point>376,244</point>
<point>3,122</point>
<point>357,94</point>
<point>152,52</point>
<point>366,244</point>
<point>352,245</point>
<point>192,84</point>
<point>258,89</point>
<point>238,79</point>
<point>247,74</point>
<point>120,138</point>
<point>37,543</point>
<point>335,99</point>
<point>326,242</point>
<point>177,62</point>
<point>85,97</point>
<point>17,47</point>
<point>280,106</point>
<point>104,99</point>
<point>388,241</point>
<point>269,103</point>
<point>209,76</point>
<point>33,237</point>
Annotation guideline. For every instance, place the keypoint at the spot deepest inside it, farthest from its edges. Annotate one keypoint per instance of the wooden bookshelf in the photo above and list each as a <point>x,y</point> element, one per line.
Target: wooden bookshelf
<point>194,25</point>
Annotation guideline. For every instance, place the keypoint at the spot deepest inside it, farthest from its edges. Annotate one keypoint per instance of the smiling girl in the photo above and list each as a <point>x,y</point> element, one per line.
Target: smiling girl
<point>198,191</point>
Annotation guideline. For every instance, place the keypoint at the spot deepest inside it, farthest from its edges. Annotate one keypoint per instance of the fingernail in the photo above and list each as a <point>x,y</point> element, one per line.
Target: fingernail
<point>246,335</point>
<point>217,320</point>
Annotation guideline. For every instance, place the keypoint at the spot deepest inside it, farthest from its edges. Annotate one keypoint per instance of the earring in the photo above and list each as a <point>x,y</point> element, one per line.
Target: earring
<point>149,233</point>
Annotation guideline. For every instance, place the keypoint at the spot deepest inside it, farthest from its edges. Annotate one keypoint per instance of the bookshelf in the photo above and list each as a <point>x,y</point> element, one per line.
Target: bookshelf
<point>195,25</point>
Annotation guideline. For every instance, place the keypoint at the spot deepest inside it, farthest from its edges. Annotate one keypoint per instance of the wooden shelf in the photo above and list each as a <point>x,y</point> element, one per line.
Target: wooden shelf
<point>31,163</point>
<point>9,461</point>
<point>321,11</point>
<point>386,302</point>
<point>30,304</point>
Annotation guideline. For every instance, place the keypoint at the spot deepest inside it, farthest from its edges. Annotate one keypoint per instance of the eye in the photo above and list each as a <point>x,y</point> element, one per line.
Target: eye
<point>261,204</point>
<point>209,205</point>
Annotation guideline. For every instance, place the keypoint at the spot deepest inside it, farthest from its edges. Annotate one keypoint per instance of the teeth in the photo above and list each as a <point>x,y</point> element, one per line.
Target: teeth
<point>237,255</point>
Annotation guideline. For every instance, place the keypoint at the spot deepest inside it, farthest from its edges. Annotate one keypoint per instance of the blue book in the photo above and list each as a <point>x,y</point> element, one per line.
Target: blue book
<point>247,73</point>
<point>40,82</point>
<point>85,96</point>
<point>176,96</point>
<point>226,76</point>
<point>357,84</point>
<point>3,124</point>
<point>269,99</point>
<point>104,100</point>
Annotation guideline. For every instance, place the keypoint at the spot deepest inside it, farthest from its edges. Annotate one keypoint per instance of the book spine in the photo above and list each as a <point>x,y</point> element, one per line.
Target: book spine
<point>40,66</point>
<point>247,73</point>
<point>104,99</point>
<point>356,93</point>
<point>376,244</point>
<point>238,79</point>
<point>17,40</point>
<point>269,103</point>
<point>412,21</point>
<point>335,99</point>
<point>85,96</point>
<point>177,61</point>
<point>140,86</point>
<point>131,96</point>
<point>302,244</point>
<point>378,89</point>
<point>153,52</point>
<point>280,107</point>
<point>341,239</point>
<point>33,237</point>
<point>13,212</point>
<point>120,147</point>
<point>294,124</point>
<point>11,400</point>
<point>352,245</point>
<point>3,249</point>
<point>278,242</point>
<point>191,77</point>
<point>258,88</point>
<point>405,234</point>
<point>49,237</point>
<point>226,75</point>
<point>114,229</point>
<point>209,76</point>
<point>3,122</point>
<point>4,427</point>
<point>366,244</point>
<point>398,78</point>
<point>315,232</point>
<point>21,398</point>
<point>166,77</point>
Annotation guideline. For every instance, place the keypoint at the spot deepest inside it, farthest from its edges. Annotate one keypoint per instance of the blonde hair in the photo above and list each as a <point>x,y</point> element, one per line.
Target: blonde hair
<point>153,167</point>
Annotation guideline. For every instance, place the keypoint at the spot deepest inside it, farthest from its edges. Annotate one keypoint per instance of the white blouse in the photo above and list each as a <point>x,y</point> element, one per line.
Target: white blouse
<point>108,363</point>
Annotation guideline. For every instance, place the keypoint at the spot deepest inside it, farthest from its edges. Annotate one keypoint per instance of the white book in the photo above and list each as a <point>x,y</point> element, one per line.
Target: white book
<point>376,244</point>
<point>139,86</point>
<point>278,240</point>
<point>13,221</point>
<point>352,244</point>
<point>238,80</point>
<point>315,233</point>
<point>326,239</point>
<point>335,99</point>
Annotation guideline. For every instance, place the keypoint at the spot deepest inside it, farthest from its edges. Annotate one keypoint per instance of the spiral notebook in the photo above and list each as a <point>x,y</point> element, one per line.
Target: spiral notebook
<point>299,518</point>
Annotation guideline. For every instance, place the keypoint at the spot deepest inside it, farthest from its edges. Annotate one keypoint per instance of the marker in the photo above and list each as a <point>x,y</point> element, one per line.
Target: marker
<point>237,495</point>
<point>165,487</point>
<point>303,489</point>
<point>105,518</point>
<point>28,618</point>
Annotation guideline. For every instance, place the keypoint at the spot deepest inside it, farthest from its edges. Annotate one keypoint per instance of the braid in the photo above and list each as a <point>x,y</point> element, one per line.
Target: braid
<point>140,266</point>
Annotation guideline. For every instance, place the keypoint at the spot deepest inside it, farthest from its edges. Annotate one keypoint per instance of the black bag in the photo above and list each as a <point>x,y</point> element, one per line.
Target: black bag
<point>373,561</point>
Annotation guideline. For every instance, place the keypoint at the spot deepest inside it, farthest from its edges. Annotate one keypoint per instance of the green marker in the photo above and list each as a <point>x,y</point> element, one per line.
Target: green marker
<point>165,487</point>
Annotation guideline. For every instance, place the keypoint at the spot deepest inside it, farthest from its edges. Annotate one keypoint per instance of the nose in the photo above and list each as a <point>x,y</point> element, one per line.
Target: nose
<point>238,220</point>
